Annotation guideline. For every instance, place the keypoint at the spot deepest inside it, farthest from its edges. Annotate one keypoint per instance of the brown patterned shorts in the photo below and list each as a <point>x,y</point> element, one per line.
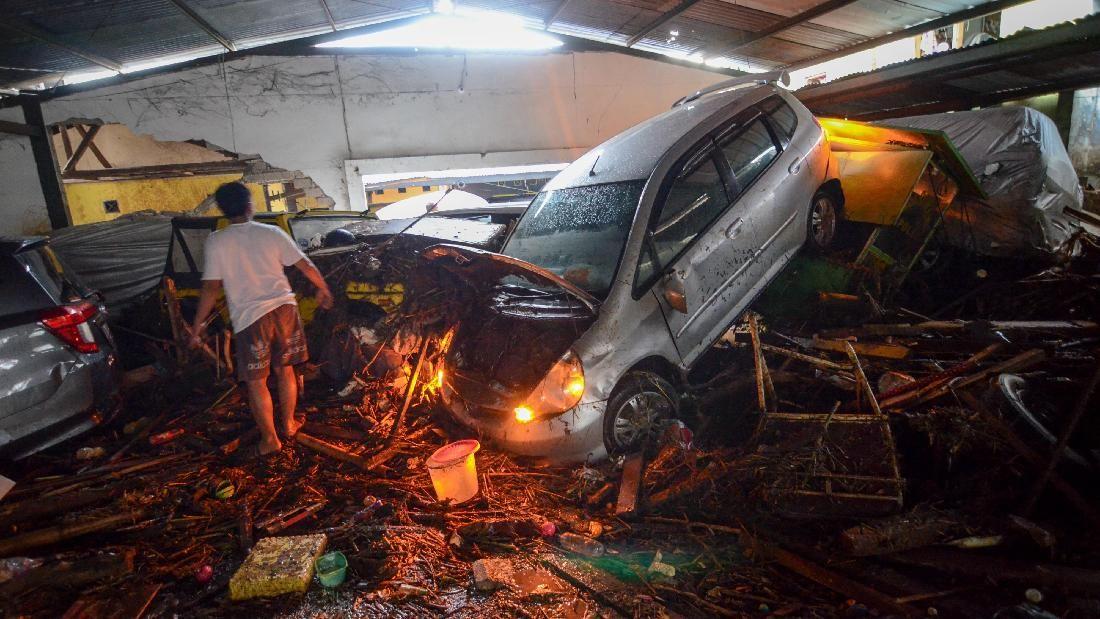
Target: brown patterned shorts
<point>277,337</point>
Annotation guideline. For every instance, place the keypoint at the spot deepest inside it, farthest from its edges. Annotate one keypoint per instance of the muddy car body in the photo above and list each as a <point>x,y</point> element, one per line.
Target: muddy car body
<point>655,242</point>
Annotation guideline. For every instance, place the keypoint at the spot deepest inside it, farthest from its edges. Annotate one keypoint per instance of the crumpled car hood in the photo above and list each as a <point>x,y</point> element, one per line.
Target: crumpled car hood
<point>520,321</point>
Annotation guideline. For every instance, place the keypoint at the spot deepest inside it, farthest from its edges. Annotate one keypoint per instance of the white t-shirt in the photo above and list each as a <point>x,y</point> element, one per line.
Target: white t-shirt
<point>249,259</point>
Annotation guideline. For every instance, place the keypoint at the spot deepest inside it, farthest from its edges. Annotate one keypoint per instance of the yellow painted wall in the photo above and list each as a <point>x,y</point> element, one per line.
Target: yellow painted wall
<point>162,195</point>
<point>377,200</point>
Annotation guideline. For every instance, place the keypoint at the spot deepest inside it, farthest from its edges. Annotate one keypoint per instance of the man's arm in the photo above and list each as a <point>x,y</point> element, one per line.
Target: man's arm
<point>324,295</point>
<point>211,289</point>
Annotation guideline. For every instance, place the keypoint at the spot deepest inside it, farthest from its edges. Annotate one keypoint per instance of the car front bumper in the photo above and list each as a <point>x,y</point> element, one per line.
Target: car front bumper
<point>573,436</point>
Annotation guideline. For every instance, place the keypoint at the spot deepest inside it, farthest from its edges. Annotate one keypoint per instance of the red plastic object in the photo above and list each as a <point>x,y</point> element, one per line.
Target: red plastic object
<point>70,324</point>
<point>204,574</point>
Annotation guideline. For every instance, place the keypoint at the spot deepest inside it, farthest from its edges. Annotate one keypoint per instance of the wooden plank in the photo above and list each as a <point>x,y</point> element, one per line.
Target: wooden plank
<point>866,349</point>
<point>91,145</point>
<point>331,450</point>
<point>59,533</point>
<point>86,138</point>
<point>7,126</point>
<point>790,354</point>
<point>627,502</point>
<point>835,581</point>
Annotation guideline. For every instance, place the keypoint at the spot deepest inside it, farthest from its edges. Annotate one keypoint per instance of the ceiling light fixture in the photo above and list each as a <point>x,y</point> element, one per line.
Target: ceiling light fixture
<point>473,30</point>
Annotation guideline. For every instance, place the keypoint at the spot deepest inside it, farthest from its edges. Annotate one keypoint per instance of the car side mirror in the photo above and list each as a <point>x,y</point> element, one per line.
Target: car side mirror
<point>676,300</point>
<point>674,294</point>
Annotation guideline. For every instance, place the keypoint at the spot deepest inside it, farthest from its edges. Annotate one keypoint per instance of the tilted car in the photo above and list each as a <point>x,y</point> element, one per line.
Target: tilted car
<point>628,266</point>
<point>56,351</point>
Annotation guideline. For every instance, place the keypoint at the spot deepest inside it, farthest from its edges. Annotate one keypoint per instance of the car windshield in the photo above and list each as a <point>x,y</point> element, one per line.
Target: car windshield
<point>578,233</point>
<point>309,232</point>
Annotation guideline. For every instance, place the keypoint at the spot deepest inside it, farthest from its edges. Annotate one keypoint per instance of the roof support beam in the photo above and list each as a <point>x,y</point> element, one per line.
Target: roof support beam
<point>57,207</point>
<point>661,20</point>
<point>6,126</point>
<point>328,15</point>
<point>784,24</point>
<point>946,20</point>
<point>37,33</point>
<point>558,10</point>
<point>205,25</point>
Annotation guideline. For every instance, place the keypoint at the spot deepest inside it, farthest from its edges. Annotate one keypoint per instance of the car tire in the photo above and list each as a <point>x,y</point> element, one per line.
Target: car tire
<point>823,221</point>
<point>638,411</point>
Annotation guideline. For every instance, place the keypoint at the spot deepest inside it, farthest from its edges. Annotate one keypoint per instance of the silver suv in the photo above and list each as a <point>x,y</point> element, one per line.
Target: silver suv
<point>628,266</point>
<point>56,352</point>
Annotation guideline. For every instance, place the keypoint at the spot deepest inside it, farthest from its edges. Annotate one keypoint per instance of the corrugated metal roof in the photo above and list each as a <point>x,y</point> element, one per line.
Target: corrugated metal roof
<point>140,31</point>
<point>1061,57</point>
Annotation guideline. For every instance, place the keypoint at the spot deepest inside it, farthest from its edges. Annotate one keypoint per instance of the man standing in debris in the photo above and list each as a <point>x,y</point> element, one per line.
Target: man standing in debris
<point>247,260</point>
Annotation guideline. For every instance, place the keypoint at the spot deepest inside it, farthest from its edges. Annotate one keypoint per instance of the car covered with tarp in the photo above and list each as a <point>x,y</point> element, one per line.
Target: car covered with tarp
<point>1019,160</point>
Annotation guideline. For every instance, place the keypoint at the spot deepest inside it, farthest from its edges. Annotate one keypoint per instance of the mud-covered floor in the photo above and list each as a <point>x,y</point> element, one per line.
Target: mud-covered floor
<point>879,467</point>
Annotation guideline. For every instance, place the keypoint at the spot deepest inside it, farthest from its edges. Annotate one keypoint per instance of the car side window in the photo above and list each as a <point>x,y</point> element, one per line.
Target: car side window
<point>749,151</point>
<point>695,197</point>
<point>781,117</point>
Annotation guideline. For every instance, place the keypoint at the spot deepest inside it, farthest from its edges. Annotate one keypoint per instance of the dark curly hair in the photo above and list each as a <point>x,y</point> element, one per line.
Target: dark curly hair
<point>233,199</point>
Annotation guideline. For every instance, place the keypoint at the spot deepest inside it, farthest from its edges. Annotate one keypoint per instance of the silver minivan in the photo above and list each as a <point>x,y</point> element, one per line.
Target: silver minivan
<point>56,351</point>
<point>629,265</point>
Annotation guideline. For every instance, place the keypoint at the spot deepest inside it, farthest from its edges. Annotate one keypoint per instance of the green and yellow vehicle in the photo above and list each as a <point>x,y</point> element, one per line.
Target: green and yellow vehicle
<point>307,228</point>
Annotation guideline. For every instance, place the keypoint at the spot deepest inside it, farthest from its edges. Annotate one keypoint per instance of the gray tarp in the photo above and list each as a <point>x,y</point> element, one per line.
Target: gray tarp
<point>1018,157</point>
<point>123,259</point>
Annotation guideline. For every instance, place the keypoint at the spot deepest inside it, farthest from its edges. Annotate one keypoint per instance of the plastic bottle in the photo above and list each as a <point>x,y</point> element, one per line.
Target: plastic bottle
<point>582,545</point>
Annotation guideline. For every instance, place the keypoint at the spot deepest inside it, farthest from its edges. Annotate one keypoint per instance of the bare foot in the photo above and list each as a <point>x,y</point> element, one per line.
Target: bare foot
<point>292,427</point>
<point>270,447</point>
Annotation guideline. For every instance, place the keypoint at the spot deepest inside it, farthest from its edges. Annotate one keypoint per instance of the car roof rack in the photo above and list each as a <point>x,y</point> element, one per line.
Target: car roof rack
<point>771,77</point>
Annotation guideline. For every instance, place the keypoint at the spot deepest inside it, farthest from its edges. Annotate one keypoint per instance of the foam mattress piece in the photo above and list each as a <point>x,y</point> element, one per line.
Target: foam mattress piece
<point>277,565</point>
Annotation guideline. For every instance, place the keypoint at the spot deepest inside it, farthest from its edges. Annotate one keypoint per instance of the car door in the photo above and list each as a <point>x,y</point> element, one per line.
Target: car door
<point>787,187</point>
<point>707,235</point>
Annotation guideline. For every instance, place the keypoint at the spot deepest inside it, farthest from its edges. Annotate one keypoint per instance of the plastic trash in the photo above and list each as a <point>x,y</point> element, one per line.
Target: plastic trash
<point>90,453</point>
<point>582,545</point>
<point>14,567</point>
<point>454,471</point>
<point>204,574</point>
<point>1023,611</point>
<point>657,566</point>
<point>165,437</point>
<point>332,568</point>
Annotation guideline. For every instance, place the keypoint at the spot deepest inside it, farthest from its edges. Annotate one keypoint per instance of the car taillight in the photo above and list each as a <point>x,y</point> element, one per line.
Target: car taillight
<point>70,324</point>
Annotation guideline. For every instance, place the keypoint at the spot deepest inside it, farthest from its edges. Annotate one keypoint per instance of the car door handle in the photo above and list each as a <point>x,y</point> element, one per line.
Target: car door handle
<point>734,228</point>
<point>795,166</point>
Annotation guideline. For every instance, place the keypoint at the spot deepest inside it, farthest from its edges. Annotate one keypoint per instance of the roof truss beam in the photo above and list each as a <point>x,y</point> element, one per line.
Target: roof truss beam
<point>328,15</point>
<point>205,25</point>
<point>35,32</point>
<point>977,11</point>
<point>558,10</point>
<point>784,24</point>
<point>661,20</point>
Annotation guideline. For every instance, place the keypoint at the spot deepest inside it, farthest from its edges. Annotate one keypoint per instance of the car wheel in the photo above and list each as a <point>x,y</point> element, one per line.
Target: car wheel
<point>638,412</point>
<point>823,221</point>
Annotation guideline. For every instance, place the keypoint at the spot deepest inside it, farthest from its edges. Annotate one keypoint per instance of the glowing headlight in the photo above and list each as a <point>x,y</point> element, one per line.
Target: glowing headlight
<point>559,391</point>
<point>524,414</point>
